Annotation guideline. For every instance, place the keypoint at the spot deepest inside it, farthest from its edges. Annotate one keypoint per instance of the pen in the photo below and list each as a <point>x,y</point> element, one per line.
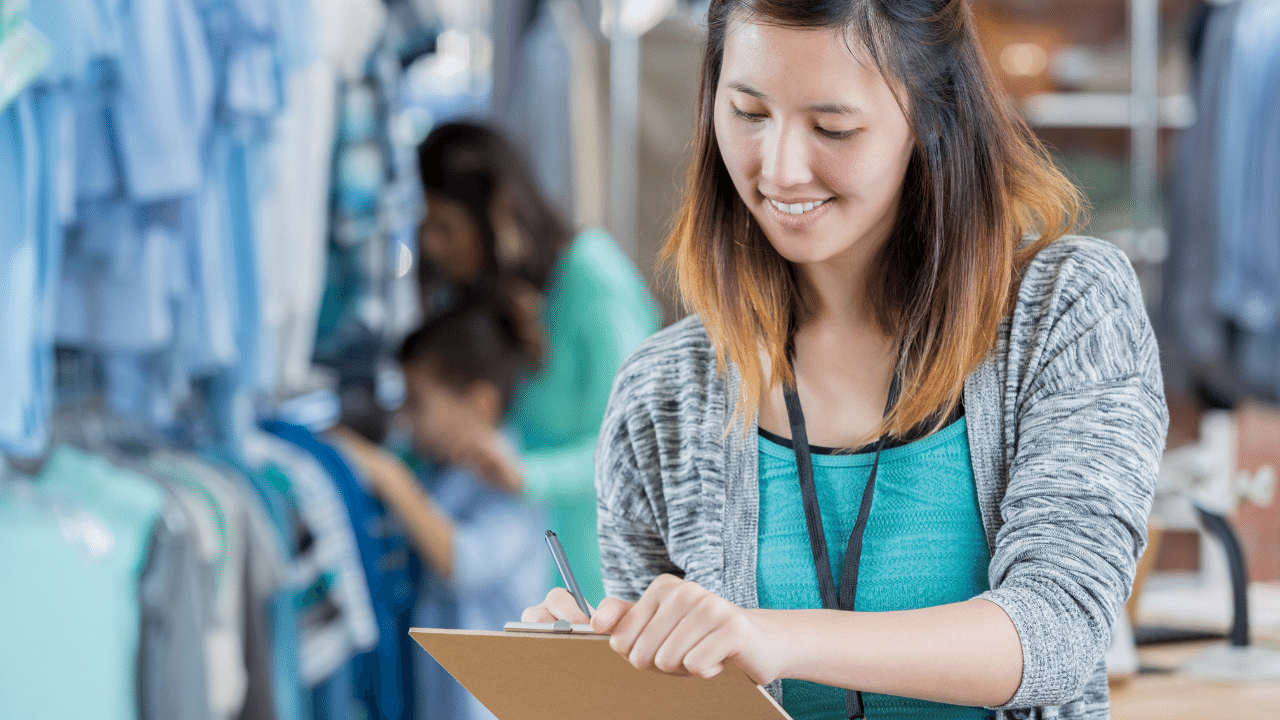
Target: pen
<point>562,563</point>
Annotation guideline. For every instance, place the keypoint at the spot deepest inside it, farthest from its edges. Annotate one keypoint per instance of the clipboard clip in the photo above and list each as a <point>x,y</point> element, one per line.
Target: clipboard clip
<point>563,627</point>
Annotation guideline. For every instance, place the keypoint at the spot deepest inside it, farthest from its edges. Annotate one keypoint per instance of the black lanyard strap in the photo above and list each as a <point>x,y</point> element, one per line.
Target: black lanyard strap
<point>813,519</point>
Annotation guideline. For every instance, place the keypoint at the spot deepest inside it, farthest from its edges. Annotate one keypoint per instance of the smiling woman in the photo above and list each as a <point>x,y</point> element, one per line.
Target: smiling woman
<point>837,102</point>
<point>819,161</point>
<point>899,463</point>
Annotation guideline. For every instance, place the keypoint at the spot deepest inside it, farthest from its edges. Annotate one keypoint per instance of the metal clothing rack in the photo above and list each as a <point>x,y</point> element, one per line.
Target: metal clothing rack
<point>1143,112</point>
<point>625,33</point>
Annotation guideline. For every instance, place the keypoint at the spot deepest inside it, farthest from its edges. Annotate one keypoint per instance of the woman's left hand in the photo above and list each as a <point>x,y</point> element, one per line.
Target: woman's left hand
<point>679,628</point>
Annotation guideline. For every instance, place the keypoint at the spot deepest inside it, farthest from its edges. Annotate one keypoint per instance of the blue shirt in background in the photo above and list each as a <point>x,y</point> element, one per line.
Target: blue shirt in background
<point>500,567</point>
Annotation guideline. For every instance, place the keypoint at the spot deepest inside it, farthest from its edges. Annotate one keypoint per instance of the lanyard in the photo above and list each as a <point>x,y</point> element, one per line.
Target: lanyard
<point>813,518</point>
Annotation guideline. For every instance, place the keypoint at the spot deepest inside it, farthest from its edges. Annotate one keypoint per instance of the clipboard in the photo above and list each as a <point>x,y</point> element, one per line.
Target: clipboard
<point>541,674</point>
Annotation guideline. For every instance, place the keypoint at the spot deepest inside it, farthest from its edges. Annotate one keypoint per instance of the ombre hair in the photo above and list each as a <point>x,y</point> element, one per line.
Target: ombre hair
<point>980,199</point>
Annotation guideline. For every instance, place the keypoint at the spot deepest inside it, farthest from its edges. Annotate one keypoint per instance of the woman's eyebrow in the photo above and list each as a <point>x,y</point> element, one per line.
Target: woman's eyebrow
<point>834,109</point>
<point>819,108</point>
<point>747,89</point>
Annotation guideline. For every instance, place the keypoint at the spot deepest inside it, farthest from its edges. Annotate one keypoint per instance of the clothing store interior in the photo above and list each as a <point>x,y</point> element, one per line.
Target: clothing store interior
<point>311,311</point>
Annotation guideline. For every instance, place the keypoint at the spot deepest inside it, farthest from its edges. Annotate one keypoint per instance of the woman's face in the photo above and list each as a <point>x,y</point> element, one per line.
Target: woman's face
<point>451,239</point>
<point>813,138</point>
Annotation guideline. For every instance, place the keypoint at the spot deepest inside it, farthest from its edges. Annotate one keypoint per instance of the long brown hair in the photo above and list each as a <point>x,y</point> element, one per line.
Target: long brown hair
<point>478,166</point>
<point>977,182</point>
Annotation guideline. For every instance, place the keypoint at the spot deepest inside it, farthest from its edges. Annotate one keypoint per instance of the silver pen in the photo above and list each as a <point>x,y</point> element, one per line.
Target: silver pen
<point>562,563</point>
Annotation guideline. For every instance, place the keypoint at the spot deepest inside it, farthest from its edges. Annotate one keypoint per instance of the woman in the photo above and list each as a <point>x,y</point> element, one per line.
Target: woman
<point>875,248</point>
<point>489,225</point>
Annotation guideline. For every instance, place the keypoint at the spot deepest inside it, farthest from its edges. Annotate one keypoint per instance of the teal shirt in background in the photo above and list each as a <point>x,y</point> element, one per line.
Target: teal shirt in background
<point>924,546</point>
<point>73,548</point>
<point>597,311</point>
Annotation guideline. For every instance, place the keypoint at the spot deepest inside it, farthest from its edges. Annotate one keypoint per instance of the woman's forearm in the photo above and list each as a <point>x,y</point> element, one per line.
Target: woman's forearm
<point>966,653</point>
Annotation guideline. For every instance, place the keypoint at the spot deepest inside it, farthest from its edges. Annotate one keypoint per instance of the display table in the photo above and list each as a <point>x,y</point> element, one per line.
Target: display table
<point>1175,696</point>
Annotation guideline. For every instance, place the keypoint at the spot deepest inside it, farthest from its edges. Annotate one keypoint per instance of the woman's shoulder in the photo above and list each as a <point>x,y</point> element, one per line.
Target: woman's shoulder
<point>678,356</point>
<point>1075,264</point>
<point>1080,301</point>
<point>669,393</point>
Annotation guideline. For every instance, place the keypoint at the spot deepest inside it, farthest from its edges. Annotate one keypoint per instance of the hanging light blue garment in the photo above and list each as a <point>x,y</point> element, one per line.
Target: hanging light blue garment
<point>165,99</point>
<point>1193,336</point>
<point>24,50</point>
<point>147,91</point>
<point>245,39</point>
<point>1248,287</point>
<point>116,288</point>
<point>19,173</point>
<point>81,31</point>
<point>1258,361</point>
<point>32,137</point>
<point>76,553</point>
<point>235,184</point>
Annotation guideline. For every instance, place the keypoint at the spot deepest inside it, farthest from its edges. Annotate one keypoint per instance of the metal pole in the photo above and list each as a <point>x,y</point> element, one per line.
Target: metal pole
<point>624,131</point>
<point>1144,24</point>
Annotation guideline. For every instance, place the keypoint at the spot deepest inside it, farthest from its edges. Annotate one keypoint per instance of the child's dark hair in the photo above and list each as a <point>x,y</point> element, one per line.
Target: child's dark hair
<point>493,336</point>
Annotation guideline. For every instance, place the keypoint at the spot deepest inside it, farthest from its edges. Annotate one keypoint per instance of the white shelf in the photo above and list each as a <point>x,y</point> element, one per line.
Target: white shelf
<point>1102,110</point>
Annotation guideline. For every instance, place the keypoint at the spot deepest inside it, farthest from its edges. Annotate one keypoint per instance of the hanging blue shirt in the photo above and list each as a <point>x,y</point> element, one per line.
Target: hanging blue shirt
<point>390,569</point>
<point>1248,256</point>
<point>165,100</point>
<point>32,216</point>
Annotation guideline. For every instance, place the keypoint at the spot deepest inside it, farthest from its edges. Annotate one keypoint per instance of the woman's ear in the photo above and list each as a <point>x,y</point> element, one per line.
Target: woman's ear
<point>486,399</point>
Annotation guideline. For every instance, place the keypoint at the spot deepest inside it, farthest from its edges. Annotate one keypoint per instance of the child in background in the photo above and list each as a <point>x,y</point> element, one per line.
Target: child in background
<point>482,548</point>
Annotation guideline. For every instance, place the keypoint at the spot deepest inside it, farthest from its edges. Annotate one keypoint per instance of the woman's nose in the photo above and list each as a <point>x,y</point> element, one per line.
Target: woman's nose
<point>786,161</point>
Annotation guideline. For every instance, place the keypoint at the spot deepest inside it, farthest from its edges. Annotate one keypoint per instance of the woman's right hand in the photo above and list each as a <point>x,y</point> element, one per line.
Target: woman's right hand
<point>560,605</point>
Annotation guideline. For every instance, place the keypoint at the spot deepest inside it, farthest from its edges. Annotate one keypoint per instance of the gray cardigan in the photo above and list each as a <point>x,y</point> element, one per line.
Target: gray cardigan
<point>1066,424</point>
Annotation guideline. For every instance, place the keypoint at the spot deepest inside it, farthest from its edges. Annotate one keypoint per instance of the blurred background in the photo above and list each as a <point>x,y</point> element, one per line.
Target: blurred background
<point>216,234</point>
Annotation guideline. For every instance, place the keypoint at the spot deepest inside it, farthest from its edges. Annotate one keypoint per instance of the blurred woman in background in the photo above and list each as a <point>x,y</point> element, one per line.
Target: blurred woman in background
<point>489,225</point>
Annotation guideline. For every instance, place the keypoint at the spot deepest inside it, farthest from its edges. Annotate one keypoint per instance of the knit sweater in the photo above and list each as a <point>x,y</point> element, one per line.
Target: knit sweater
<point>1066,423</point>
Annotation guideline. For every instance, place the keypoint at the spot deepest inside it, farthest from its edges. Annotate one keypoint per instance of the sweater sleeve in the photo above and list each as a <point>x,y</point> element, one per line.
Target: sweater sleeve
<point>630,507</point>
<point>1088,428</point>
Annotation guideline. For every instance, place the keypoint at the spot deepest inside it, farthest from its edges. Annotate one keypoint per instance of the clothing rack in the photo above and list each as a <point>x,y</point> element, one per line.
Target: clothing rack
<point>1142,112</point>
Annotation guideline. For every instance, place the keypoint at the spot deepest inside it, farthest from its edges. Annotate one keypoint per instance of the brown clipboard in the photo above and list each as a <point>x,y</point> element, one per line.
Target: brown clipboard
<point>546,676</point>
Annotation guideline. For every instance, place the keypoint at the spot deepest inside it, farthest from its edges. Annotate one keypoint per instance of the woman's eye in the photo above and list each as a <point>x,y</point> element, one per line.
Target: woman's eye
<point>836,134</point>
<point>749,117</point>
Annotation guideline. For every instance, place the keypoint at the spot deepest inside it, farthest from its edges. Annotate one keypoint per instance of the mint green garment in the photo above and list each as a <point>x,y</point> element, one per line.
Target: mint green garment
<point>597,311</point>
<point>73,549</point>
<point>924,546</point>
<point>24,51</point>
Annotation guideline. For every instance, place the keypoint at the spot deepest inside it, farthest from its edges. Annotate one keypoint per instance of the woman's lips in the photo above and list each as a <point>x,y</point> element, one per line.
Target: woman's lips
<point>797,221</point>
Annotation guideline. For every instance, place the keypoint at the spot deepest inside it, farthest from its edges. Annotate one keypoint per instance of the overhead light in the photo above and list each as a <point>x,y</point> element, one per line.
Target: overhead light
<point>1024,59</point>
<point>638,16</point>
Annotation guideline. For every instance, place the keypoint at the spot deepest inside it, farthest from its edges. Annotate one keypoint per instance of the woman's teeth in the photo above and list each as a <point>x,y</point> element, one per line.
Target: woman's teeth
<point>797,208</point>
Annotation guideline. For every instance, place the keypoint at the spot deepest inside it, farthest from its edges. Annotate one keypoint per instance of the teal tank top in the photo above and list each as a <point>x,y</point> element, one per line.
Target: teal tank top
<point>924,546</point>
